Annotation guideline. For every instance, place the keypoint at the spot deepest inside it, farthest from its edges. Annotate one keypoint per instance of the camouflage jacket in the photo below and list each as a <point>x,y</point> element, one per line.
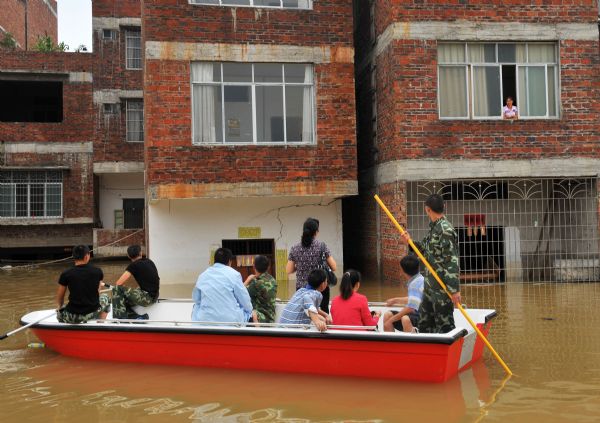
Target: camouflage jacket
<point>263,291</point>
<point>440,248</point>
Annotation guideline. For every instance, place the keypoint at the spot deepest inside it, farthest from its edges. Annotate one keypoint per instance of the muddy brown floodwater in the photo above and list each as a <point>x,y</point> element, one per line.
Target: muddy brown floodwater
<point>549,334</point>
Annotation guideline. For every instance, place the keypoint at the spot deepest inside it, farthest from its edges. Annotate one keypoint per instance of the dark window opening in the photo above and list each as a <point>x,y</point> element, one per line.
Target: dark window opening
<point>31,101</point>
<point>475,190</point>
<point>244,251</point>
<point>509,83</point>
<point>133,210</point>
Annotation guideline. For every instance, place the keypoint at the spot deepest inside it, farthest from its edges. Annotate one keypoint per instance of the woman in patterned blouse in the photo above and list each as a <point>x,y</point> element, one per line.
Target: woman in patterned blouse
<point>306,256</point>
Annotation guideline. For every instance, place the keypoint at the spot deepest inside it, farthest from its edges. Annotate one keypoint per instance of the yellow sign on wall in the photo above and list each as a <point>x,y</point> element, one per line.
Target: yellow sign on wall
<point>249,232</point>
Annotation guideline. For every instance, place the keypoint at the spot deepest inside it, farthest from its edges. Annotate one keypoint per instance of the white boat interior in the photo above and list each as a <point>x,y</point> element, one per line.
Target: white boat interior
<point>175,314</point>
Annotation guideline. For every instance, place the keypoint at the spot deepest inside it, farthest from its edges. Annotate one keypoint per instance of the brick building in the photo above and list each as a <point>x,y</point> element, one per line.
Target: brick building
<point>46,151</point>
<point>119,125</point>
<point>26,20</point>
<point>250,127</point>
<point>432,79</point>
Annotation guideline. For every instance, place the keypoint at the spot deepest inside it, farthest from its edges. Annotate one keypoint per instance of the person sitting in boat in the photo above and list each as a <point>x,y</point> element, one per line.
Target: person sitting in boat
<point>145,273</point>
<point>83,282</point>
<point>262,288</point>
<point>220,294</point>
<point>407,318</point>
<point>303,307</point>
<point>351,308</point>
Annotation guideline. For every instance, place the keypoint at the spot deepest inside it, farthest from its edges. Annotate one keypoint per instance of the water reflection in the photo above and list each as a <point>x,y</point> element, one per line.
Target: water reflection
<point>98,388</point>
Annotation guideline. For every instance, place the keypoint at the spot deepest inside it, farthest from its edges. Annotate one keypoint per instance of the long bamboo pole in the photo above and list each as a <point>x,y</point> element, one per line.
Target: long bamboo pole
<point>443,285</point>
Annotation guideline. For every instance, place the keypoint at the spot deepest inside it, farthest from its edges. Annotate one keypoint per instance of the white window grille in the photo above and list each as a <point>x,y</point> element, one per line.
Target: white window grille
<point>245,103</point>
<point>517,230</point>
<point>31,194</point>
<point>276,4</point>
<point>135,120</point>
<point>111,108</point>
<point>133,49</point>
<point>474,80</point>
<point>108,34</point>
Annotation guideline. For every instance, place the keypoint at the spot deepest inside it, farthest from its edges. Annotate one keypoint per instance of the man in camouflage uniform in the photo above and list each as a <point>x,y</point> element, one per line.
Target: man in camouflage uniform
<point>440,248</point>
<point>83,282</point>
<point>145,273</point>
<point>262,288</point>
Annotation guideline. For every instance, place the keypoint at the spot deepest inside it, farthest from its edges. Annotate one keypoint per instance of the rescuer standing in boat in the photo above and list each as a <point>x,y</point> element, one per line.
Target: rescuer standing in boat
<point>440,248</point>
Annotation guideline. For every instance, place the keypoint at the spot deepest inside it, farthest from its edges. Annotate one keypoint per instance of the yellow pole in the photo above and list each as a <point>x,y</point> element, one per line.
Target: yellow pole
<point>439,280</point>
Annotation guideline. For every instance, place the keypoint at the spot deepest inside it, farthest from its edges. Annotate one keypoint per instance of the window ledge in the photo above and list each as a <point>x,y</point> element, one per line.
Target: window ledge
<point>266,145</point>
<point>27,221</point>
<point>193,3</point>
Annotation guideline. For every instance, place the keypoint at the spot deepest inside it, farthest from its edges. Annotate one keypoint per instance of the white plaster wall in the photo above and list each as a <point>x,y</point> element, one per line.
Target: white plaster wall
<point>183,232</point>
<point>113,189</point>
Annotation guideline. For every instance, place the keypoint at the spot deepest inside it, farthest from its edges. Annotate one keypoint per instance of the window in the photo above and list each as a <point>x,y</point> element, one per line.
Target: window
<point>474,79</point>
<point>111,108</point>
<point>133,49</point>
<point>244,103</point>
<point>135,120</point>
<point>30,194</point>
<point>108,34</point>
<point>280,4</point>
<point>31,101</point>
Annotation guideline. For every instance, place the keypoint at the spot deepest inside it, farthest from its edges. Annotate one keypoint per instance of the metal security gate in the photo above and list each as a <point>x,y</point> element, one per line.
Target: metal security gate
<point>517,230</point>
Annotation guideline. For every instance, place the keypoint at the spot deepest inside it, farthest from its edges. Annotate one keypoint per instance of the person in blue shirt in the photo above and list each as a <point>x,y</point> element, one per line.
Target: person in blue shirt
<point>303,307</point>
<point>407,318</point>
<point>220,294</point>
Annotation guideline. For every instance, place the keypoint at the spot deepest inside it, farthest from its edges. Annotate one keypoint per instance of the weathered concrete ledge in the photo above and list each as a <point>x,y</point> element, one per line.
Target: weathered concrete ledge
<point>46,221</point>
<point>166,50</point>
<point>416,170</point>
<point>115,96</point>
<point>47,147</point>
<point>118,167</point>
<point>253,189</point>
<point>114,23</point>
<point>463,30</point>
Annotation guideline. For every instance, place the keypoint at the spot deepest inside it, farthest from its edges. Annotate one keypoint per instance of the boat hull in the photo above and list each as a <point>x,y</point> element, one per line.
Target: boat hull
<point>354,353</point>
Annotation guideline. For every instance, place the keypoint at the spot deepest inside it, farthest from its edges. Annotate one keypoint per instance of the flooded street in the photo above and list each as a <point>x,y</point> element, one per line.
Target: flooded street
<point>549,334</point>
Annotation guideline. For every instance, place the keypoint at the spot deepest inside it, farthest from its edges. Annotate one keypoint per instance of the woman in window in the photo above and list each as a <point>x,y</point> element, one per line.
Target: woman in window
<point>510,111</point>
<point>306,255</point>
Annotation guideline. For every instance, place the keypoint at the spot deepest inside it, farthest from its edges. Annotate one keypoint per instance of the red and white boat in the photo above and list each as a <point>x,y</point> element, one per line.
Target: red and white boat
<point>169,337</point>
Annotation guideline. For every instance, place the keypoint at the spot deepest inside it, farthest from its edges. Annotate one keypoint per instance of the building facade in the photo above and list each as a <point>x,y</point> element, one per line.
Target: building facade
<point>250,128</point>
<point>46,152</point>
<point>432,80</point>
<point>27,20</point>
<point>119,126</point>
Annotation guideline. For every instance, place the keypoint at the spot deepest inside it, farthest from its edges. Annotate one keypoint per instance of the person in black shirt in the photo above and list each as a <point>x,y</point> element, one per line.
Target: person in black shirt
<point>145,273</point>
<point>83,281</point>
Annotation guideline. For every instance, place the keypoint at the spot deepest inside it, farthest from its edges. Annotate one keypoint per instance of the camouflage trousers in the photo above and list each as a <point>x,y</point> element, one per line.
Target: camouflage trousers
<point>65,316</point>
<point>124,298</point>
<point>436,313</point>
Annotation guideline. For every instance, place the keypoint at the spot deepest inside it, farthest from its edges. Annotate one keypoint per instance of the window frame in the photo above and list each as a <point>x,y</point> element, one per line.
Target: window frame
<point>253,84</point>
<point>29,182</point>
<point>128,36</point>
<point>220,4</point>
<point>127,120</point>
<point>469,66</point>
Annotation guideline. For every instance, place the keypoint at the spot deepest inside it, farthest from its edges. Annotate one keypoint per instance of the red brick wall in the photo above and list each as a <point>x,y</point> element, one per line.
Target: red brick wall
<point>330,23</point>
<point>538,11</point>
<point>110,72</point>
<point>116,8</point>
<point>76,127</point>
<point>107,236</point>
<point>40,20</point>
<point>409,126</point>
<point>77,124</point>
<point>170,156</point>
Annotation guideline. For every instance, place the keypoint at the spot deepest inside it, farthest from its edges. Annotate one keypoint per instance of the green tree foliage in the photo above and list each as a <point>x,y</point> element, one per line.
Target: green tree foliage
<point>46,44</point>
<point>8,42</point>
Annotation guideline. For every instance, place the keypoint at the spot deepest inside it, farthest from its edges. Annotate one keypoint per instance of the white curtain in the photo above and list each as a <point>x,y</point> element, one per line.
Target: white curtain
<point>541,53</point>
<point>307,108</point>
<point>7,200</point>
<point>203,103</point>
<point>453,91</point>
<point>451,53</point>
